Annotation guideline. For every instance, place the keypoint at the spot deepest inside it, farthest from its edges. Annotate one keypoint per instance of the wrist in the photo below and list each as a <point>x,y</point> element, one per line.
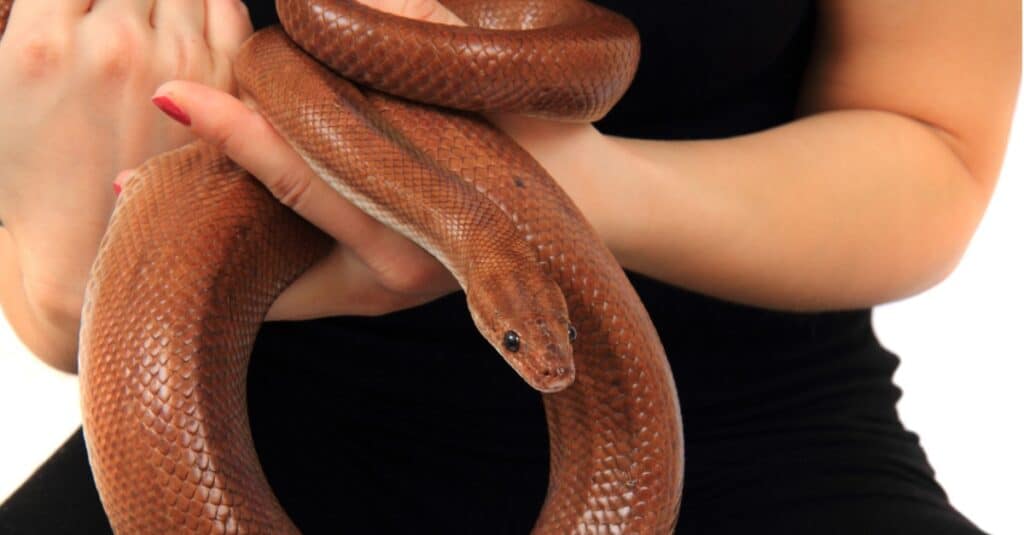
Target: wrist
<point>584,162</point>
<point>47,323</point>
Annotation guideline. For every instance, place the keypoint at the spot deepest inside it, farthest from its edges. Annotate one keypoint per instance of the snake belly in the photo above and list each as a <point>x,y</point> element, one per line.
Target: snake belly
<point>197,251</point>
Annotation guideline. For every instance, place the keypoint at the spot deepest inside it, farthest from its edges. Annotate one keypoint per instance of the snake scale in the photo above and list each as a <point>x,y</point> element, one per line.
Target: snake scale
<point>197,250</point>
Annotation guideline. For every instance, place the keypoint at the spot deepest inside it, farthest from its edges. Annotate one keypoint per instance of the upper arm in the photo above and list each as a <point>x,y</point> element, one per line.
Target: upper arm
<point>951,65</point>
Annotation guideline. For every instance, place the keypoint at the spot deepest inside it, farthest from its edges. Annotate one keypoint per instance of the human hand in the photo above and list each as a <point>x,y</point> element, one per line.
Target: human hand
<point>75,82</point>
<point>373,270</point>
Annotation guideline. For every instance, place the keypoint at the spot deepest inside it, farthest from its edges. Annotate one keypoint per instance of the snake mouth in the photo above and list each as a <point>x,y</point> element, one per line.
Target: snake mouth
<point>552,380</point>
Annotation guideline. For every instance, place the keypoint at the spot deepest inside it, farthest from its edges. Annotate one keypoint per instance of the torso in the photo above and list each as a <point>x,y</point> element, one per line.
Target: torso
<point>435,404</point>
<point>411,423</point>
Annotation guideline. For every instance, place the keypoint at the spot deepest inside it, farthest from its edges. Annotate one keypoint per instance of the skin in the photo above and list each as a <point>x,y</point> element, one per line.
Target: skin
<point>75,81</point>
<point>904,116</point>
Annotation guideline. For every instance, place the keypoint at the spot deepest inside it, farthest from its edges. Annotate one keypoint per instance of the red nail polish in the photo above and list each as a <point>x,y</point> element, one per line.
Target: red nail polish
<point>172,110</point>
<point>117,188</point>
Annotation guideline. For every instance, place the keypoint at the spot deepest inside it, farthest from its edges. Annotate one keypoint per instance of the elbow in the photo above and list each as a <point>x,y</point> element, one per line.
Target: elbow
<point>969,176</point>
<point>938,248</point>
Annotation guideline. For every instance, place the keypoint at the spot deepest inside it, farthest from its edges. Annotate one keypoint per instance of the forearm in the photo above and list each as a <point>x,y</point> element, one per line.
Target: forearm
<point>837,210</point>
<point>49,334</point>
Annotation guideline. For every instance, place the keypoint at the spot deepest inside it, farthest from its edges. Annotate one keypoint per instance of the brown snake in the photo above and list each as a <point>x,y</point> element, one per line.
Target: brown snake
<point>196,252</point>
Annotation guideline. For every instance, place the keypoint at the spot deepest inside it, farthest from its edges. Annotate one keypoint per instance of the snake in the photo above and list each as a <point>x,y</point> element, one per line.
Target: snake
<point>387,110</point>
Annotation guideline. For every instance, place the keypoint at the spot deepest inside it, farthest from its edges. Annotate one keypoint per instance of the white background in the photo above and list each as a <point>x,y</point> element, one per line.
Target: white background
<point>960,344</point>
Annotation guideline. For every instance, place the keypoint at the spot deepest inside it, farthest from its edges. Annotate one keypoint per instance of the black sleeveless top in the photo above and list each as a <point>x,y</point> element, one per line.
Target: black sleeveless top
<point>410,423</point>
<point>767,397</point>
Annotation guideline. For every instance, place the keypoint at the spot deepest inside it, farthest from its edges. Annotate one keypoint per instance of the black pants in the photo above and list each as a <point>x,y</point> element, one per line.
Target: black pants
<point>60,499</point>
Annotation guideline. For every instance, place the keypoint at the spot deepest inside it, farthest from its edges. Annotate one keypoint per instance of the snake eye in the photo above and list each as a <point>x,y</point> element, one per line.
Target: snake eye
<point>572,333</point>
<point>511,341</point>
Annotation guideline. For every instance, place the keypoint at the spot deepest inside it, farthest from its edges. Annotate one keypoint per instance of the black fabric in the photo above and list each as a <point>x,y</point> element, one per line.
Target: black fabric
<point>59,497</point>
<point>411,424</point>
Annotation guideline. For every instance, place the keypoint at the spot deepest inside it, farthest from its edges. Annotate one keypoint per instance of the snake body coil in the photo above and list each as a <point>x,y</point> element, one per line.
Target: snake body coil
<point>197,251</point>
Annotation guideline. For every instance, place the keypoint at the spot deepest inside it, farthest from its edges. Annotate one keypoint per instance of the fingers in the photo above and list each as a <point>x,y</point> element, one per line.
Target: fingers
<point>49,9</point>
<point>35,15</point>
<point>184,16</point>
<point>342,284</point>
<point>248,139</point>
<point>137,8</point>
<point>338,285</point>
<point>228,27</point>
<point>425,10</point>
<point>187,27</point>
<point>121,180</point>
<point>195,35</point>
<point>374,271</point>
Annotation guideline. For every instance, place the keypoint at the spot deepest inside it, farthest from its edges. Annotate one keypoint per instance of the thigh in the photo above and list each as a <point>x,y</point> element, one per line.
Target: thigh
<point>59,498</point>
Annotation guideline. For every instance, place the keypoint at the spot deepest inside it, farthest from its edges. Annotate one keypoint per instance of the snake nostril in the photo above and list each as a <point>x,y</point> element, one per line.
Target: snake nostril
<point>553,372</point>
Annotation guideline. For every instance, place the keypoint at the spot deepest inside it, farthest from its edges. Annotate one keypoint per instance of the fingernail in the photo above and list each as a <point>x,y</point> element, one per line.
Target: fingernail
<point>172,110</point>
<point>117,188</point>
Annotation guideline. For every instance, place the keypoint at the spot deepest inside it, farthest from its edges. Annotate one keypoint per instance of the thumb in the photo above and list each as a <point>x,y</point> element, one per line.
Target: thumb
<point>247,138</point>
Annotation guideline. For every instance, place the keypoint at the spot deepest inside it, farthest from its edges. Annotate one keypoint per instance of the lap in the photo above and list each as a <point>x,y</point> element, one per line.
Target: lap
<point>60,498</point>
<point>877,515</point>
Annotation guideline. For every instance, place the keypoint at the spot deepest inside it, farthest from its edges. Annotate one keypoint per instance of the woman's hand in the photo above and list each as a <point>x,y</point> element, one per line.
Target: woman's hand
<point>76,78</point>
<point>373,270</point>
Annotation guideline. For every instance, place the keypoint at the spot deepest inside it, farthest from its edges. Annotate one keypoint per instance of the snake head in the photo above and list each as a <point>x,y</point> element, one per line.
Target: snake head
<point>527,322</point>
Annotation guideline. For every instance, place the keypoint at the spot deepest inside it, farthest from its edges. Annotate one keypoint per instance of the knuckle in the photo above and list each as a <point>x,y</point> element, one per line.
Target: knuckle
<point>39,56</point>
<point>232,133</point>
<point>387,300</point>
<point>229,132</point>
<point>411,278</point>
<point>121,51</point>
<point>291,187</point>
<point>222,136</point>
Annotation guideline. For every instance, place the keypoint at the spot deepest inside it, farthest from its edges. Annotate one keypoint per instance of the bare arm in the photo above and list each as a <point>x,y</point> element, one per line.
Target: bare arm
<point>873,195</point>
